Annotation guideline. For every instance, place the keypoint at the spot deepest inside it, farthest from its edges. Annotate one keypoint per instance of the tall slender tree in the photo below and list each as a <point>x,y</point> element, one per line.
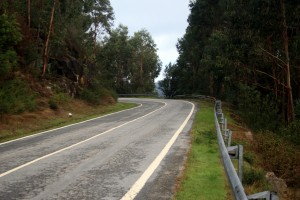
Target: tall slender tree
<point>46,47</point>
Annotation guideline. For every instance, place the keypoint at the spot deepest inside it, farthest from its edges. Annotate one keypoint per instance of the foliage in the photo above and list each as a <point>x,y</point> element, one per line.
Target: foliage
<point>90,95</point>
<point>279,156</point>
<point>95,95</point>
<point>9,36</point>
<point>230,45</point>
<point>81,46</point>
<point>167,85</point>
<point>291,132</point>
<point>259,112</point>
<point>52,104</point>
<point>16,97</point>
<point>252,175</point>
<point>131,63</point>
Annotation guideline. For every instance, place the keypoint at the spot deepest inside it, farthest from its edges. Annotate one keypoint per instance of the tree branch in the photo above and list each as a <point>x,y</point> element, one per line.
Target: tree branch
<point>273,56</point>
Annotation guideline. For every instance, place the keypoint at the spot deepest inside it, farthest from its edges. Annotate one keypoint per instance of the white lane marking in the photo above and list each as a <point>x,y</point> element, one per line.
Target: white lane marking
<point>22,138</point>
<point>139,184</point>
<point>69,147</point>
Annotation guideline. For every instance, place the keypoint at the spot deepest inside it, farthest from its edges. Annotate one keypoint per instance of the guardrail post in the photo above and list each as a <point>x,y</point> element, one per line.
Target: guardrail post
<point>225,125</point>
<point>229,138</point>
<point>222,120</point>
<point>241,162</point>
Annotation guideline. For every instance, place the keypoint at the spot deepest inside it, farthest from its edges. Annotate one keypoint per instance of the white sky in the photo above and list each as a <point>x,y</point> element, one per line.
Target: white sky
<point>166,21</point>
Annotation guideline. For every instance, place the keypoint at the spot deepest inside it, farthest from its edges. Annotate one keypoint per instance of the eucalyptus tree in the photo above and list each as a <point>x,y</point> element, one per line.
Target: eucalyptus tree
<point>145,64</point>
<point>203,20</point>
<point>168,84</point>
<point>115,59</point>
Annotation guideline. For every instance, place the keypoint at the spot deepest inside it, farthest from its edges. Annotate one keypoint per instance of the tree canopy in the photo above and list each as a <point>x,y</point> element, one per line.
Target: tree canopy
<point>72,43</point>
<point>236,50</point>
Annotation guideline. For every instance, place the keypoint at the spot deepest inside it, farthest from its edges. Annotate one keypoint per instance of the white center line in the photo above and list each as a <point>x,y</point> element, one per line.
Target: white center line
<point>69,147</point>
<point>34,135</point>
<point>139,184</point>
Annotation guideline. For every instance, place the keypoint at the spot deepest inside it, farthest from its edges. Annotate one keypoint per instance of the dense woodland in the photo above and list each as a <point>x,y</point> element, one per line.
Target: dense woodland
<point>244,52</point>
<point>58,47</point>
<point>247,53</point>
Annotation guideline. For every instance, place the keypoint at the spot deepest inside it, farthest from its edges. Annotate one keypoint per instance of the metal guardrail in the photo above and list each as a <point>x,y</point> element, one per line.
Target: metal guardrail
<point>136,95</point>
<point>235,179</point>
<point>236,185</point>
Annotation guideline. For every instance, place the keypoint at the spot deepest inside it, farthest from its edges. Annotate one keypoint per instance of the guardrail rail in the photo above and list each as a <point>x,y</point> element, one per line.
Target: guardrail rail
<point>234,178</point>
<point>230,152</point>
<point>227,152</point>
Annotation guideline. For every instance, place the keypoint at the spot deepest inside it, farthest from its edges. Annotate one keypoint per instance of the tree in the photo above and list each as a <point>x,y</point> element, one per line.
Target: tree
<point>116,58</point>
<point>46,47</point>
<point>145,63</point>
<point>168,84</point>
<point>232,45</point>
<point>9,36</point>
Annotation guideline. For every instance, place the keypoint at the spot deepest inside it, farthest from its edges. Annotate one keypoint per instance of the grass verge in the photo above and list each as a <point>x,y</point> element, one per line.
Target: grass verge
<point>204,177</point>
<point>17,126</point>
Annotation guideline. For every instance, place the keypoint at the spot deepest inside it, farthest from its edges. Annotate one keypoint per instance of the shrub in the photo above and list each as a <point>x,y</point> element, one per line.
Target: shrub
<point>90,95</point>
<point>249,158</point>
<point>291,132</point>
<point>259,112</point>
<point>9,36</point>
<point>16,97</point>
<point>94,95</point>
<point>252,175</point>
<point>52,104</point>
<point>279,156</point>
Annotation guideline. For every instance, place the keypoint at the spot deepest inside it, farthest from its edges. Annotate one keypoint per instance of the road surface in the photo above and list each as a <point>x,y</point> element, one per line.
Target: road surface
<point>133,154</point>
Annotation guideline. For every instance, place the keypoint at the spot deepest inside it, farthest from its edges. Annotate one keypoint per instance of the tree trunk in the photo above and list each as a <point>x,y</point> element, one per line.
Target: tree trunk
<point>28,16</point>
<point>45,54</point>
<point>211,84</point>
<point>290,104</point>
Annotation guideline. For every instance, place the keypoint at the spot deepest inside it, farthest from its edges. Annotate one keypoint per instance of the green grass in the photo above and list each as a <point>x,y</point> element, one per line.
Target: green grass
<point>204,177</point>
<point>39,125</point>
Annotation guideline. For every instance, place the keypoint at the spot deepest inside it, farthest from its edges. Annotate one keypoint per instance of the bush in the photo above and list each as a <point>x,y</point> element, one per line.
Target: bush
<point>279,156</point>
<point>9,36</point>
<point>252,175</point>
<point>52,104</point>
<point>249,158</point>
<point>259,112</point>
<point>291,132</point>
<point>16,97</point>
<point>90,95</point>
<point>94,95</point>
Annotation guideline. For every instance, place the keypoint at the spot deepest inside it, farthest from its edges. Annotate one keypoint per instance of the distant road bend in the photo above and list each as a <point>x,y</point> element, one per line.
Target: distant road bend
<point>133,154</point>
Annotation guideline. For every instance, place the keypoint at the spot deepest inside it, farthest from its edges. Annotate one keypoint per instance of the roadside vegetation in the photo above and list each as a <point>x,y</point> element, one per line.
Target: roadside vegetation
<point>53,49</point>
<point>271,158</point>
<point>204,177</point>
<point>28,123</point>
<point>247,54</point>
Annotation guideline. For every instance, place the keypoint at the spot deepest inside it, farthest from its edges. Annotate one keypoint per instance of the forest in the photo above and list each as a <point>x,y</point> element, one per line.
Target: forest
<point>247,53</point>
<point>59,47</point>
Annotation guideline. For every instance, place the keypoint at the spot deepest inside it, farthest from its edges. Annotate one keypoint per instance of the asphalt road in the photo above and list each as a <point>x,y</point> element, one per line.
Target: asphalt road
<point>137,153</point>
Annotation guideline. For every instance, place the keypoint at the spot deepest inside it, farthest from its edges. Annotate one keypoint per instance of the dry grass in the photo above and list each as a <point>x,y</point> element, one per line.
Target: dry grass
<point>27,123</point>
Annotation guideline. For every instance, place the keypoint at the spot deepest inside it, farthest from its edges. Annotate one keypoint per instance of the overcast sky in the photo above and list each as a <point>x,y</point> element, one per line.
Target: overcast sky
<point>166,21</point>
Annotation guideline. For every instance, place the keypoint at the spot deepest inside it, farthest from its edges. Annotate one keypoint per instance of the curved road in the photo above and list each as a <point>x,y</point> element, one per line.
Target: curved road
<point>133,154</point>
